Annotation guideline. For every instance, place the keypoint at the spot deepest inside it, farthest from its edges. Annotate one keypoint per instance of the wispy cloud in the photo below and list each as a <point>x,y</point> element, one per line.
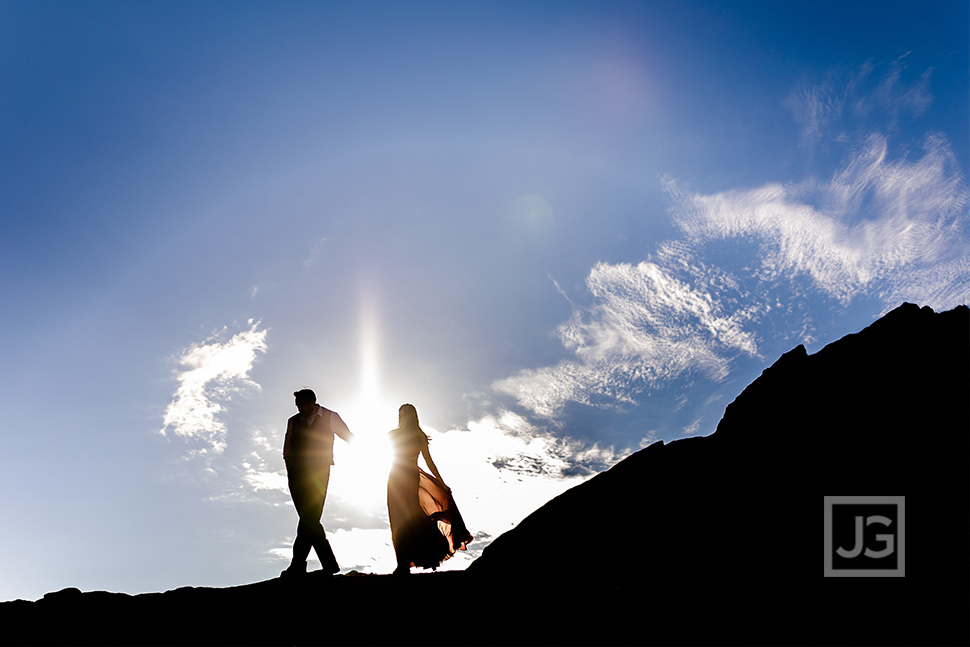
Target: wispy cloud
<point>259,478</point>
<point>261,473</point>
<point>518,449</point>
<point>646,327</point>
<point>884,228</point>
<point>212,373</point>
<point>854,100</point>
<point>504,457</point>
<point>893,227</point>
<point>316,252</point>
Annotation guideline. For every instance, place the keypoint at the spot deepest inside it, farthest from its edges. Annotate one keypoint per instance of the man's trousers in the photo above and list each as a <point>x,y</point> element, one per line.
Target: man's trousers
<point>308,487</point>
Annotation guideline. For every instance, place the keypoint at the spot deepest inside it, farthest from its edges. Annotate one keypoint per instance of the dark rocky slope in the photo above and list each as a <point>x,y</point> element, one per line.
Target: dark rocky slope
<point>731,524</point>
<point>710,540</point>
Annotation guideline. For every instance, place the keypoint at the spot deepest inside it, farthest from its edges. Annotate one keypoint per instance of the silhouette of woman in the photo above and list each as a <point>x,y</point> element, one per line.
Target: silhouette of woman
<point>426,527</point>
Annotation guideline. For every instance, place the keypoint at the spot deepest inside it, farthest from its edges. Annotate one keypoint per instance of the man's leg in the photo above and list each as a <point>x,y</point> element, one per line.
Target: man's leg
<point>318,535</point>
<point>309,492</point>
<point>307,505</point>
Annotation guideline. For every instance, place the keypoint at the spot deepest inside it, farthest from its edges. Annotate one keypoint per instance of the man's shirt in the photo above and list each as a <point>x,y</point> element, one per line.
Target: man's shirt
<point>310,440</point>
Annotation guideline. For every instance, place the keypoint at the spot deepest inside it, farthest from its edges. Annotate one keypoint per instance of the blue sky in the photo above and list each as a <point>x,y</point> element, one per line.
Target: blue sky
<point>563,230</point>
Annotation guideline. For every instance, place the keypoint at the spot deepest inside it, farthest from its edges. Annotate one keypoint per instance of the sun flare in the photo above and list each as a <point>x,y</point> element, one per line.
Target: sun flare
<point>359,475</point>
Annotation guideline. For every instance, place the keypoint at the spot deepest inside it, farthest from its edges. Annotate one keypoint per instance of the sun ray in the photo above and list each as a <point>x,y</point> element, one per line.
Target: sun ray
<point>360,473</point>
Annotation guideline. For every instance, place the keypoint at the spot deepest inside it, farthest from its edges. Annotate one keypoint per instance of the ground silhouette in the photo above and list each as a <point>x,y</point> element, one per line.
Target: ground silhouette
<point>709,540</point>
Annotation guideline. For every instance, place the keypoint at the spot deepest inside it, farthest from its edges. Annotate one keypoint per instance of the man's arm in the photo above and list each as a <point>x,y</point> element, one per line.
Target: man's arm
<point>339,427</point>
<point>286,439</point>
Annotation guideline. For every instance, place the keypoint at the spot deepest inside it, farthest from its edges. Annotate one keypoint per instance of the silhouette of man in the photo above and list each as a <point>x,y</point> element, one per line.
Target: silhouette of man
<point>308,454</point>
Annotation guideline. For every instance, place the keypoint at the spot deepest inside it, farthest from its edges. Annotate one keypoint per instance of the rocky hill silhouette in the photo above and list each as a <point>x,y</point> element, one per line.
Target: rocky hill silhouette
<point>707,540</point>
<point>731,524</point>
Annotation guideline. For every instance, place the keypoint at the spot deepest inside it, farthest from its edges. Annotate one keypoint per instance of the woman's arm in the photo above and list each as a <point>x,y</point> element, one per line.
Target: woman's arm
<point>431,466</point>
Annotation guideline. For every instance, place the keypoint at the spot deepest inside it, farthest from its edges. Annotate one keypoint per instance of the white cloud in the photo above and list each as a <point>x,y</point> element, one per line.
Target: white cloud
<point>213,372</point>
<point>487,462</point>
<point>853,100</point>
<point>877,225</point>
<point>316,252</point>
<point>883,228</point>
<point>502,468</point>
<point>261,479</point>
<point>262,474</point>
<point>367,550</point>
<point>645,328</point>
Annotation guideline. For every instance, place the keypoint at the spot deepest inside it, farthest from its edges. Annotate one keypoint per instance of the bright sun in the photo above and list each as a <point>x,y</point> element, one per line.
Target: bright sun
<point>359,475</point>
<point>360,470</point>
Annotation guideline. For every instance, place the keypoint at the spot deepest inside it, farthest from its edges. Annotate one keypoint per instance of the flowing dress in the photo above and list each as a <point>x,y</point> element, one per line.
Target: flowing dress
<point>426,526</point>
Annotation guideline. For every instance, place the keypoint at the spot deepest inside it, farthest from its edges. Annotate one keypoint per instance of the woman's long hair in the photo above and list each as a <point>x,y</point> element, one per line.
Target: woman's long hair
<point>407,420</point>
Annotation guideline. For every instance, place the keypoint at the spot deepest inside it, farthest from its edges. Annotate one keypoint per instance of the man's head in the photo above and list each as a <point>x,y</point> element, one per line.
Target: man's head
<point>306,401</point>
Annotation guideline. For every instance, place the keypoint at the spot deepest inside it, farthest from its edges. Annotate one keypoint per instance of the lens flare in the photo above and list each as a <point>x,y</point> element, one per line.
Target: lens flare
<point>359,476</point>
